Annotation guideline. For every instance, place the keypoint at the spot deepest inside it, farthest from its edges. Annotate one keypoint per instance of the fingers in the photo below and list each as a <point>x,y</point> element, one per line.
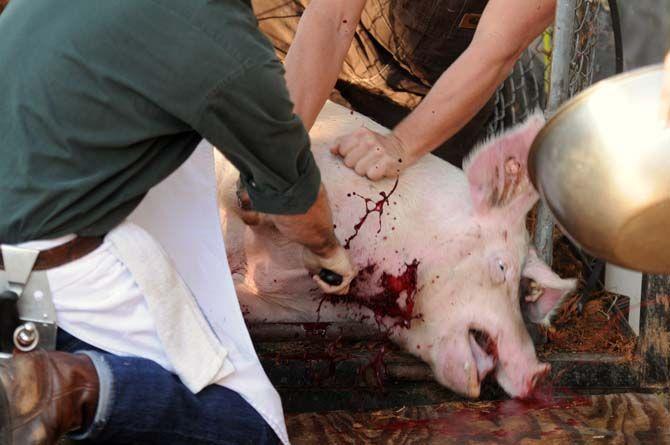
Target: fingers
<point>374,166</point>
<point>352,159</point>
<point>369,162</point>
<point>370,154</point>
<point>341,289</point>
<point>339,263</point>
<point>344,144</point>
<point>335,149</point>
<point>375,172</point>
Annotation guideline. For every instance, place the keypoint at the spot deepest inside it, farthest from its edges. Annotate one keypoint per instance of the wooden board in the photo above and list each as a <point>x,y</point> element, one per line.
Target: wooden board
<point>608,419</point>
<point>316,368</point>
<point>655,332</point>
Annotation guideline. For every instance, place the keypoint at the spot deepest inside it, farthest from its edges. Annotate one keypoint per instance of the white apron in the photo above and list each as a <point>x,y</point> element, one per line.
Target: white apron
<point>181,213</point>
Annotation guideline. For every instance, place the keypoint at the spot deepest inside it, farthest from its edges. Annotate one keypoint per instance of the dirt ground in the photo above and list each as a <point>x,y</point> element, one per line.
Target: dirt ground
<point>600,326</point>
<point>596,323</point>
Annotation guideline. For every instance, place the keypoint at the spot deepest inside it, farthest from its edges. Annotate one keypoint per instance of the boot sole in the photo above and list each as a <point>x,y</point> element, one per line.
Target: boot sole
<point>5,432</point>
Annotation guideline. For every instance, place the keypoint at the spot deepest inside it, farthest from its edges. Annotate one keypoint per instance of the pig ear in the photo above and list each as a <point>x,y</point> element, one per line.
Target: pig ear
<point>543,298</point>
<point>497,170</point>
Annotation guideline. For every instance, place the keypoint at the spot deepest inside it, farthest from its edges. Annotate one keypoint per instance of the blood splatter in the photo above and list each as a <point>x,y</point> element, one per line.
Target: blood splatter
<point>371,207</point>
<point>320,366</point>
<point>384,303</point>
<point>376,366</point>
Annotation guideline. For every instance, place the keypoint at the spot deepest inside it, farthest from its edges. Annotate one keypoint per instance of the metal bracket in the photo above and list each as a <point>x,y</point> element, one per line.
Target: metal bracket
<point>36,305</point>
<point>19,265</point>
<point>35,299</point>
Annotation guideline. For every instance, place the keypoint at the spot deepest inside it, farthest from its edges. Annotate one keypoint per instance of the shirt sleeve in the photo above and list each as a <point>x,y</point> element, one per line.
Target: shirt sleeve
<point>250,120</point>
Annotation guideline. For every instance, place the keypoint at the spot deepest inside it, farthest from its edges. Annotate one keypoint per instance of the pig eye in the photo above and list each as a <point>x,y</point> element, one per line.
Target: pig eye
<point>498,269</point>
<point>501,266</point>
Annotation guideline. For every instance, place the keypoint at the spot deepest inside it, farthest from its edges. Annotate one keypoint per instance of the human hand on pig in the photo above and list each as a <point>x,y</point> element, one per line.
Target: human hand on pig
<point>372,154</point>
<point>337,261</point>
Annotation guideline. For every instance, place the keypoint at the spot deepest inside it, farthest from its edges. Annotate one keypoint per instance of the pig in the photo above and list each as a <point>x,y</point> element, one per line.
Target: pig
<point>441,253</point>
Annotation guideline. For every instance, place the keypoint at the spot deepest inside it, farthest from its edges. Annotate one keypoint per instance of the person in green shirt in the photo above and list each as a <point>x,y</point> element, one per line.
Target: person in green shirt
<point>99,102</point>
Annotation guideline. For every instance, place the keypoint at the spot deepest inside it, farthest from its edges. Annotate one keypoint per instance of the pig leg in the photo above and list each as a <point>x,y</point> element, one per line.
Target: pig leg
<point>257,307</point>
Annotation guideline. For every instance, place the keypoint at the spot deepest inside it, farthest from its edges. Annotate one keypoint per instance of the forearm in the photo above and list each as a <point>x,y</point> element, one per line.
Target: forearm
<point>315,58</point>
<point>454,100</point>
<point>506,29</point>
<point>314,229</point>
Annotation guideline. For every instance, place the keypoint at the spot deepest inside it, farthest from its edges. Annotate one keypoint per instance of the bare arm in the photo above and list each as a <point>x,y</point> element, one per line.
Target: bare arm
<point>314,231</point>
<point>506,28</point>
<point>315,58</point>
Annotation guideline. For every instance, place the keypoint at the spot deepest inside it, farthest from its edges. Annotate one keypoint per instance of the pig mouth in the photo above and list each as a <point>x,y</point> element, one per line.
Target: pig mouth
<point>530,290</point>
<point>485,352</point>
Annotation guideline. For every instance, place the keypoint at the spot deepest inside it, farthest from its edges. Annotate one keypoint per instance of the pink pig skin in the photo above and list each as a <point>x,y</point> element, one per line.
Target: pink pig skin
<point>465,228</point>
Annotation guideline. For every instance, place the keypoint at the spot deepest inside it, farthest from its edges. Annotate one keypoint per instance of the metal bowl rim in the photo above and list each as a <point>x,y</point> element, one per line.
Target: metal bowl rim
<point>576,101</point>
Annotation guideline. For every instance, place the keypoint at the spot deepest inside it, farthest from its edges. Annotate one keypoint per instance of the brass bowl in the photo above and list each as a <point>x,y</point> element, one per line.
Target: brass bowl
<point>602,165</point>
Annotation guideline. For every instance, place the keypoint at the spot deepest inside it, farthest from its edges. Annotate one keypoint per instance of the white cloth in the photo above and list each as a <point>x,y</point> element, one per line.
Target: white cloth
<point>182,214</point>
<point>198,357</point>
<point>98,301</point>
<point>114,300</point>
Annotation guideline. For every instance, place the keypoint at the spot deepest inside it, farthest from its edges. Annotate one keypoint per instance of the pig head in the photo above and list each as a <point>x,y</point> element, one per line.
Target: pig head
<point>484,331</point>
<point>441,262</point>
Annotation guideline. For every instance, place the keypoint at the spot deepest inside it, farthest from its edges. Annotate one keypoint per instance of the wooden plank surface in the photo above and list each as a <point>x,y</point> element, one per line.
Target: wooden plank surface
<point>317,374</point>
<point>608,419</point>
<point>655,332</point>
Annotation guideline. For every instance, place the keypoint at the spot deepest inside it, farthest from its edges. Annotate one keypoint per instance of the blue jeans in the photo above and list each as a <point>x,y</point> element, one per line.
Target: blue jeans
<point>142,403</point>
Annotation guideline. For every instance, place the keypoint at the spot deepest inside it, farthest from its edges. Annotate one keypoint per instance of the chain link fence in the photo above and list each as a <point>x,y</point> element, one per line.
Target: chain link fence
<point>527,88</point>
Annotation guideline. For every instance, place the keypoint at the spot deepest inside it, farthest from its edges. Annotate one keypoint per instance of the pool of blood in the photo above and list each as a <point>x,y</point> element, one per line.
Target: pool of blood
<point>462,422</point>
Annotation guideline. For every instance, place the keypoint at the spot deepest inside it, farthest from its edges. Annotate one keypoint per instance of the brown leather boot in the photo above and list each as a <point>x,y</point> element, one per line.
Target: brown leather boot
<point>44,395</point>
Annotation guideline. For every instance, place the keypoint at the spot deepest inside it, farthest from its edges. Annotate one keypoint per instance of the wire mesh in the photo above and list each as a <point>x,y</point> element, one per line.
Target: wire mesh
<point>586,36</point>
<point>527,88</point>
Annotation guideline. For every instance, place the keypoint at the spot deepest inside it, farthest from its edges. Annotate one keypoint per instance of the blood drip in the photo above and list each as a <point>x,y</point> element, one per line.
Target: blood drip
<point>376,366</point>
<point>371,207</point>
<point>319,366</point>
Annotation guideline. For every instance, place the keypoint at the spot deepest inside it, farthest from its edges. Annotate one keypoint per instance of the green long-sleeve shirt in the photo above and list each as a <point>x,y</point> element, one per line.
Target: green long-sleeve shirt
<point>101,100</point>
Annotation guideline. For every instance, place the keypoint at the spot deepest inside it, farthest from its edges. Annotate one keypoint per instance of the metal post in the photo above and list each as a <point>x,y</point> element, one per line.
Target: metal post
<point>563,46</point>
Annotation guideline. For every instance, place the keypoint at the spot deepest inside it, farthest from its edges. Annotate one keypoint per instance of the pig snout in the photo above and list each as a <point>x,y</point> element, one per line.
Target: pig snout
<point>518,371</point>
<point>461,361</point>
<point>520,380</point>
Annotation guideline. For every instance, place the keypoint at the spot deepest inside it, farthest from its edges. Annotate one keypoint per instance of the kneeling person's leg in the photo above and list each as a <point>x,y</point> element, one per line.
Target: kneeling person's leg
<point>44,395</point>
<point>148,405</point>
<point>142,403</point>
<point>103,398</point>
